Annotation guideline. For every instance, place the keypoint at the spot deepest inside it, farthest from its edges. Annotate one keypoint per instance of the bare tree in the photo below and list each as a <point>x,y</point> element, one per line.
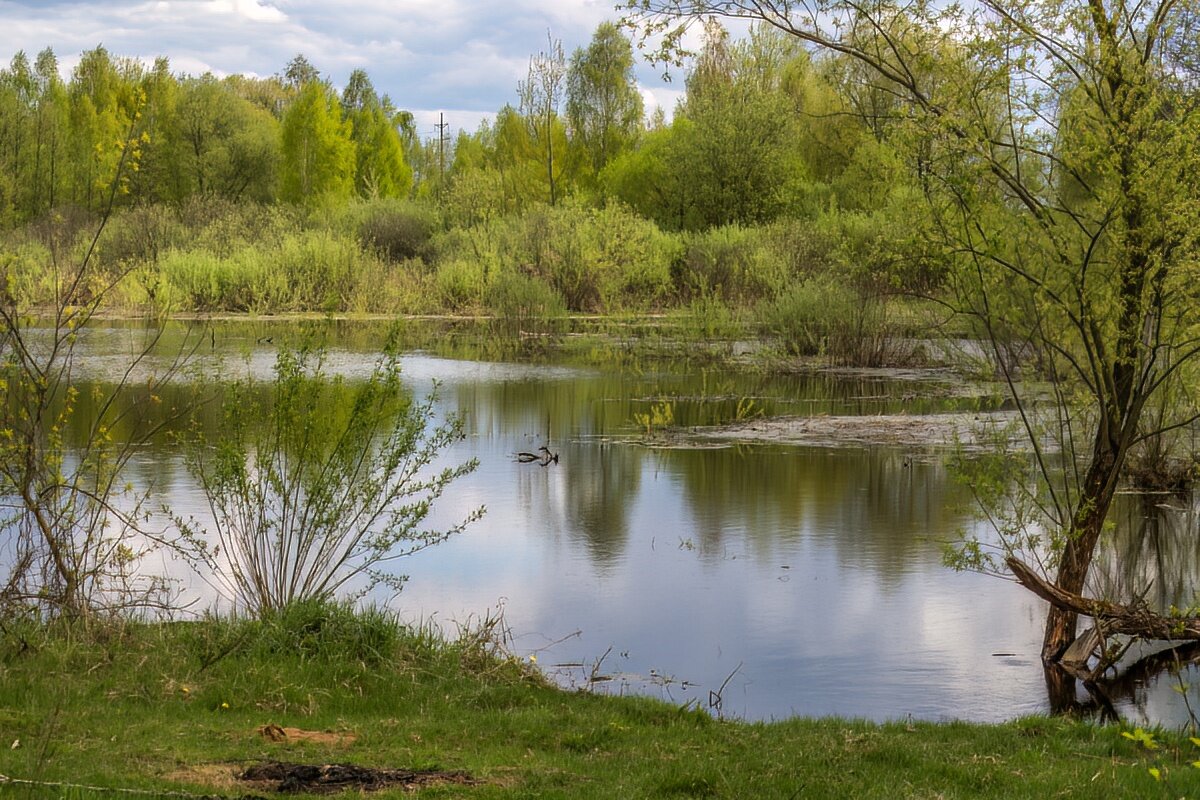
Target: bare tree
<point>541,93</point>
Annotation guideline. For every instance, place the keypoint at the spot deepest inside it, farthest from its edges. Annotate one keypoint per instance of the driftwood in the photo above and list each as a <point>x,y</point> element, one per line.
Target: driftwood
<point>1112,618</point>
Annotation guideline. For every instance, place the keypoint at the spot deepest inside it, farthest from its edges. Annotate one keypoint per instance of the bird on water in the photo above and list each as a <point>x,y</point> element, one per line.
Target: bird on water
<point>545,457</point>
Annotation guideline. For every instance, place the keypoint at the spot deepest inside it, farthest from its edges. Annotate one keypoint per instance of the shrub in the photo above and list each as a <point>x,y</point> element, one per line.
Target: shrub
<point>398,230</point>
<point>823,316</point>
<point>519,297</point>
<point>596,259</point>
<point>140,235</point>
<point>25,276</point>
<point>733,263</point>
<point>328,483</point>
<point>242,281</point>
<point>459,285</point>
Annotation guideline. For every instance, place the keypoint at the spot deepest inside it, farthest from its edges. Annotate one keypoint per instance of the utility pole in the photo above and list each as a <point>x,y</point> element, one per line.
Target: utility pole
<point>442,137</point>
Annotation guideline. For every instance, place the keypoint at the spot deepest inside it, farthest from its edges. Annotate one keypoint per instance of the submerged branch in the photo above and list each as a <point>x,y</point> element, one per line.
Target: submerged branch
<point>1111,617</point>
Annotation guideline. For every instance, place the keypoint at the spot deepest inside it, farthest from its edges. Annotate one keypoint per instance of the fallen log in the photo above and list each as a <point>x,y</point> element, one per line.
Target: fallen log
<point>1112,618</point>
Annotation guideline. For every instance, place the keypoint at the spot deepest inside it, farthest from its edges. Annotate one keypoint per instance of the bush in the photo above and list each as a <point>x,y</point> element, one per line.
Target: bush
<point>24,274</point>
<point>597,259</point>
<point>203,281</point>
<point>823,316</point>
<point>140,235</point>
<point>397,230</point>
<point>459,285</point>
<point>319,482</point>
<point>732,263</point>
<point>314,270</point>
<point>222,226</point>
<point>518,297</point>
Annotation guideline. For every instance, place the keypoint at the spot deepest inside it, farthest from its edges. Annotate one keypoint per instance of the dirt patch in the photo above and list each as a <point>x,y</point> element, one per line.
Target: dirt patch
<point>895,430</point>
<point>275,733</point>
<point>279,776</point>
<point>217,776</point>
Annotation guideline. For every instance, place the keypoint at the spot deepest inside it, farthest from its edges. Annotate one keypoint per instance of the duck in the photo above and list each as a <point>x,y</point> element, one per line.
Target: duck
<point>543,456</point>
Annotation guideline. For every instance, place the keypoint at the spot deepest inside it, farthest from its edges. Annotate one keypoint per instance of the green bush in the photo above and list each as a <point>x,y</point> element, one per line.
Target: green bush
<point>459,285</point>
<point>222,226</point>
<point>823,316</point>
<point>241,281</point>
<point>736,264</point>
<point>518,297</point>
<point>140,235</point>
<point>319,268</point>
<point>598,260</point>
<point>25,273</point>
<point>398,230</point>
<point>313,270</point>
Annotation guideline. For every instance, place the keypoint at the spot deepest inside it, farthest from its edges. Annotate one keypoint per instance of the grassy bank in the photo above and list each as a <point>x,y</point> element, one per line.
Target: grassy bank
<point>180,707</point>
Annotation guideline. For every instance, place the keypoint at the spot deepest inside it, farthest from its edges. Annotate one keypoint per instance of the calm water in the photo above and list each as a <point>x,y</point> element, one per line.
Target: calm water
<point>807,580</point>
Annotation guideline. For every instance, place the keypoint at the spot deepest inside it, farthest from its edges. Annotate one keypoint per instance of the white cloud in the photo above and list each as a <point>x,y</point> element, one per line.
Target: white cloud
<point>249,9</point>
<point>464,56</point>
<point>654,97</point>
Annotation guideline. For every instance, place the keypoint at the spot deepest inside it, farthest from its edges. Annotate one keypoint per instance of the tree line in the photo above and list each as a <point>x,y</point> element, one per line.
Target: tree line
<point>291,138</point>
<point>765,131</point>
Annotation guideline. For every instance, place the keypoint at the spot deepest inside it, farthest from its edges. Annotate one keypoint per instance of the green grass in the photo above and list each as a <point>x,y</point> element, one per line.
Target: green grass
<point>163,707</point>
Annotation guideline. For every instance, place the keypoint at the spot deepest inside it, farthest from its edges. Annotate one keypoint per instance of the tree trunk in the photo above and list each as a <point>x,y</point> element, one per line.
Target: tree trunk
<point>1095,498</point>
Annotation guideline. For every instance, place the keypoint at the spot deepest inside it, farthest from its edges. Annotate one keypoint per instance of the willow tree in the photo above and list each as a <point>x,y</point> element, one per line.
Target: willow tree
<point>1060,160</point>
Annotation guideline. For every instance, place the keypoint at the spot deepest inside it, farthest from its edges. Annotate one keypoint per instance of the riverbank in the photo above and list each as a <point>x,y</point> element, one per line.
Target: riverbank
<point>192,707</point>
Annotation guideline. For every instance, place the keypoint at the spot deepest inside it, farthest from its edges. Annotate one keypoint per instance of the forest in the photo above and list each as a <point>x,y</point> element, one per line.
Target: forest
<point>779,196</point>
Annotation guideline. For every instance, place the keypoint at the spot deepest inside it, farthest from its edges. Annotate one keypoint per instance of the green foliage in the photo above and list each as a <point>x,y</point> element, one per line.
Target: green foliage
<point>317,149</point>
<point>25,279</point>
<point>333,486</point>
<point>398,230</point>
<point>459,284</point>
<point>660,415</point>
<point>734,263</point>
<point>604,106</point>
<point>709,317</point>
<point>380,166</point>
<point>597,259</point>
<point>314,270</point>
<point>519,298</point>
<point>221,144</point>
<point>822,316</point>
<point>325,630</point>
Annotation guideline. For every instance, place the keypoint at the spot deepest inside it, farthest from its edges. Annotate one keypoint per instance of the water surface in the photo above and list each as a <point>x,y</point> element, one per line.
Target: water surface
<point>802,580</point>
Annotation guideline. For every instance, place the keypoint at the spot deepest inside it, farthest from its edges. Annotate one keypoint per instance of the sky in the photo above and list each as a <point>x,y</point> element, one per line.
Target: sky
<point>462,58</point>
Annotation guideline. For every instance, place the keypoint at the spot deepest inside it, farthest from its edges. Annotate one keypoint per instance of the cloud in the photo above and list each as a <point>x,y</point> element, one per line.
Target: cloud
<point>464,56</point>
<point>255,10</point>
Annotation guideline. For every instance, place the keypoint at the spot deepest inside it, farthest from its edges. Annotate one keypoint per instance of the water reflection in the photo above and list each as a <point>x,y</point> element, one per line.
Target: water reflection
<point>817,569</point>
